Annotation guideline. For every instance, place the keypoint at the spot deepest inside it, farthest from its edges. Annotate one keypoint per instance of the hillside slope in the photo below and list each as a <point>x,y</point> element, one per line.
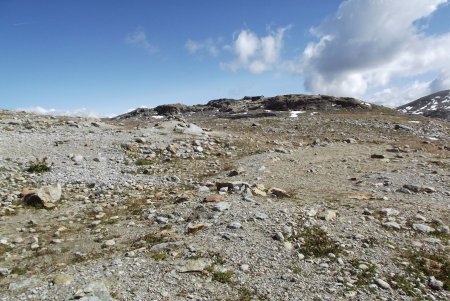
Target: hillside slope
<point>436,105</point>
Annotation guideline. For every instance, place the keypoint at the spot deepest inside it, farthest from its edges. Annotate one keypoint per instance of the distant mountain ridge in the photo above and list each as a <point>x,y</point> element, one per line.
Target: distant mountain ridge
<point>436,105</point>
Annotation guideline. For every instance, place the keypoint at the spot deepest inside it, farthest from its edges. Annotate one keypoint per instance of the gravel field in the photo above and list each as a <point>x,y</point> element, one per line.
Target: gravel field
<point>203,205</point>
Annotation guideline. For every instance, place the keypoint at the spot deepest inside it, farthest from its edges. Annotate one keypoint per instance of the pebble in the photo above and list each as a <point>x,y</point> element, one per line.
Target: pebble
<point>214,198</point>
<point>443,229</point>
<point>288,245</point>
<point>261,216</point>
<point>77,158</point>
<point>329,215</point>
<point>435,284</point>
<point>162,220</point>
<point>165,246</point>
<point>221,206</point>
<point>389,212</point>
<point>22,284</point>
<point>109,243</point>
<point>423,228</point>
<point>393,225</point>
<point>197,265</point>
<point>381,283</point>
<point>62,279</point>
<point>234,225</point>
<point>4,272</point>
<point>279,236</point>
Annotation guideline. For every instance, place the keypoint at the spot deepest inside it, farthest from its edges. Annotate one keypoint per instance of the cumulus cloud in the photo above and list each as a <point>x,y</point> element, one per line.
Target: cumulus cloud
<point>397,96</point>
<point>138,39</point>
<point>442,82</point>
<point>209,46</point>
<point>366,44</point>
<point>81,112</point>
<point>256,54</point>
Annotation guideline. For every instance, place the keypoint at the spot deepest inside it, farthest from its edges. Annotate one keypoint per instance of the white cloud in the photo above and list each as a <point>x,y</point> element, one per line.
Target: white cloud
<point>82,112</point>
<point>368,43</point>
<point>397,96</point>
<point>138,38</point>
<point>210,46</point>
<point>256,54</point>
<point>442,82</point>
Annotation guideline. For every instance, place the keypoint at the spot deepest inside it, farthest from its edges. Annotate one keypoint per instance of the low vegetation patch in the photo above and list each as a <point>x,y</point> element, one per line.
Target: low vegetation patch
<point>222,277</point>
<point>142,162</point>
<point>39,166</point>
<point>363,276</point>
<point>424,263</point>
<point>152,239</point>
<point>315,242</point>
<point>405,284</point>
<point>160,256</point>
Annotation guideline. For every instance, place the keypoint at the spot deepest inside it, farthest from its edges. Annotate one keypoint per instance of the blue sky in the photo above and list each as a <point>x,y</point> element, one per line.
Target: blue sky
<point>106,57</point>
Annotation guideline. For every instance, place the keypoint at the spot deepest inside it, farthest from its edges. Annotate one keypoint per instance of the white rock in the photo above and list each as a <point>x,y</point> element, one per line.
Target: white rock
<point>50,193</point>
<point>435,284</point>
<point>383,284</point>
<point>288,246</point>
<point>4,272</point>
<point>423,228</point>
<point>197,265</point>
<point>311,212</point>
<point>389,212</point>
<point>393,225</point>
<point>221,206</point>
<point>328,215</point>
<point>109,243</point>
<point>261,216</point>
<point>77,158</point>
<point>234,225</point>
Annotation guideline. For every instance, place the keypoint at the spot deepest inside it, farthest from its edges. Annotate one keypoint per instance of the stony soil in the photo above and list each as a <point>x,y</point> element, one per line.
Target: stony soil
<point>339,205</point>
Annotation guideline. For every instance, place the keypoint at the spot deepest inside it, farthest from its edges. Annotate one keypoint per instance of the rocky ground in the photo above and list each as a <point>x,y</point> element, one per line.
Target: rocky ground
<point>312,205</point>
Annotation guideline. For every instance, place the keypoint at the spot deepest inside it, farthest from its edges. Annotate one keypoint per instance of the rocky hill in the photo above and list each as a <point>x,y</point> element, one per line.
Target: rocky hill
<point>255,106</point>
<point>436,105</point>
<point>313,198</point>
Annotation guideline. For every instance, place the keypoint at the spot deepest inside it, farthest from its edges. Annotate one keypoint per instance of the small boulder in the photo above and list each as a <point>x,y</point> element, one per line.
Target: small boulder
<point>413,188</point>
<point>214,198</point>
<point>221,206</point>
<point>435,284</point>
<point>278,192</point>
<point>62,279</point>
<point>423,228</point>
<point>383,284</point>
<point>328,215</point>
<point>77,158</point>
<point>196,265</point>
<point>44,197</point>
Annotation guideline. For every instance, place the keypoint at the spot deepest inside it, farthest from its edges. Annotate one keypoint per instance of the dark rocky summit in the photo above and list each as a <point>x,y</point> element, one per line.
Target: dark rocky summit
<point>436,105</point>
<point>255,106</point>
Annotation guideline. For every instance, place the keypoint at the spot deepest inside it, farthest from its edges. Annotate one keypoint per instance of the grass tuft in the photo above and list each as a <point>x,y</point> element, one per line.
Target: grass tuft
<point>222,277</point>
<point>315,242</point>
<point>142,162</point>
<point>39,166</point>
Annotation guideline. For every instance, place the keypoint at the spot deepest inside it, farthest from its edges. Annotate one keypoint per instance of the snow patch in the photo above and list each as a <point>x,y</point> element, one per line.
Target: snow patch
<point>294,114</point>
